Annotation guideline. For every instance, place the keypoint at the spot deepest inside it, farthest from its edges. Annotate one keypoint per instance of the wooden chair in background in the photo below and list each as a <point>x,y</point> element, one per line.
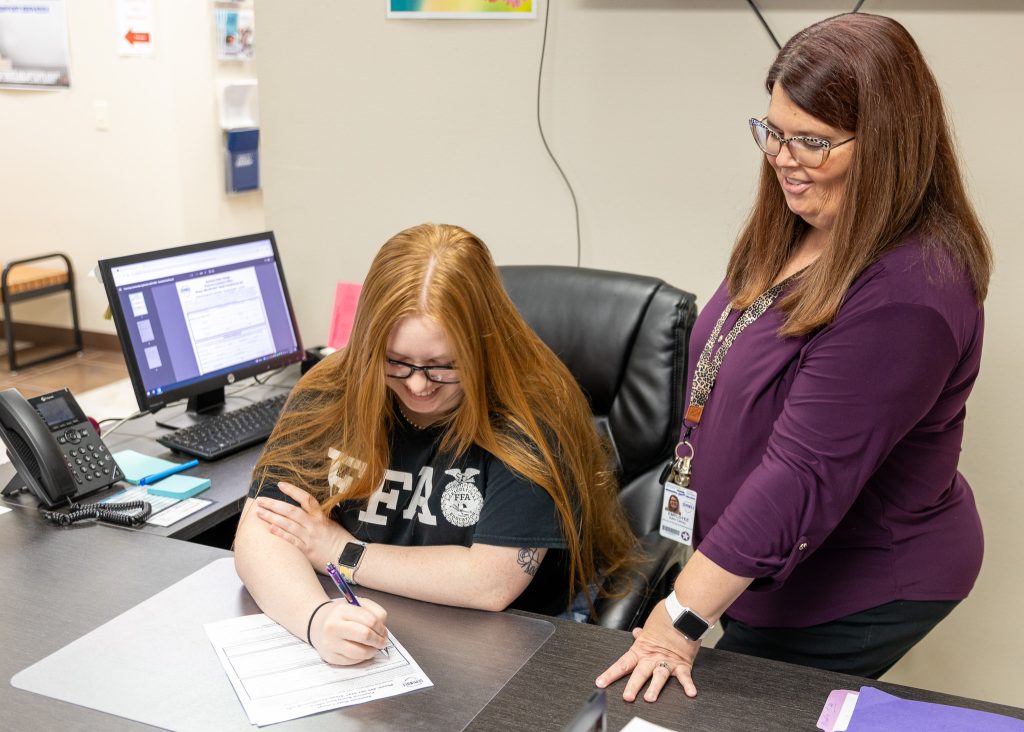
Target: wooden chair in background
<point>22,280</point>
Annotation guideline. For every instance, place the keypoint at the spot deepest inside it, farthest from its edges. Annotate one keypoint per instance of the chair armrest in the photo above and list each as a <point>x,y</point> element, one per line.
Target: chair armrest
<point>651,581</point>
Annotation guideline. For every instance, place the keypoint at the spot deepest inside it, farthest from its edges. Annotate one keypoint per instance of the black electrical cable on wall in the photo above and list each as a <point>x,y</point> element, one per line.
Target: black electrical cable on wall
<point>540,128</point>
<point>540,124</point>
<point>767,28</point>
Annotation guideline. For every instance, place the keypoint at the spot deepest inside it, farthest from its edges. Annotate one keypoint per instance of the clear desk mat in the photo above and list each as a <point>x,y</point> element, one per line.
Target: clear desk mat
<point>154,663</point>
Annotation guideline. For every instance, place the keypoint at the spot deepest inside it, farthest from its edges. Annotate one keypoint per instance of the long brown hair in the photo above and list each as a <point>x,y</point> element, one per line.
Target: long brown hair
<point>862,73</point>
<point>520,403</point>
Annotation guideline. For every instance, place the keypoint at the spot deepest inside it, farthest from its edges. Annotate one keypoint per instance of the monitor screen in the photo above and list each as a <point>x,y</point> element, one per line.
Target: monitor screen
<point>192,319</point>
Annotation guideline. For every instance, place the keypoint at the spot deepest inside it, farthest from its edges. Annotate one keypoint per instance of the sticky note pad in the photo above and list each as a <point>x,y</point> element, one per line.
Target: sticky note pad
<point>137,466</point>
<point>178,486</point>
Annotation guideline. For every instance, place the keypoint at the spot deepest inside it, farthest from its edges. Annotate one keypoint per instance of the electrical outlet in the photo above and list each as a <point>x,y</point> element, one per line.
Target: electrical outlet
<point>102,110</point>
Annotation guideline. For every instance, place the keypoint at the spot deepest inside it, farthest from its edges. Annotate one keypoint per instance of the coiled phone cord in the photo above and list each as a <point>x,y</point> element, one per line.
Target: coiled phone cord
<point>112,513</point>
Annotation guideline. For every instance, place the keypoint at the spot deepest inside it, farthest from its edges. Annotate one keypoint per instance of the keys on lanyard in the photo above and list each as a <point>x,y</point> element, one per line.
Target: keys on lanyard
<point>681,467</point>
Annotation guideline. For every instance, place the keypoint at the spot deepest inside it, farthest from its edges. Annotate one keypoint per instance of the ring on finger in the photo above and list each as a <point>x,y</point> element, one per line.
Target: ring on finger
<point>664,665</point>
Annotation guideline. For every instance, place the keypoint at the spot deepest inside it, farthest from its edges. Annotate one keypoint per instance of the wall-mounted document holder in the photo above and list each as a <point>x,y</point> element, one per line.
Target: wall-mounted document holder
<point>240,120</point>
<point>239,104</point>
<point>242,158</point>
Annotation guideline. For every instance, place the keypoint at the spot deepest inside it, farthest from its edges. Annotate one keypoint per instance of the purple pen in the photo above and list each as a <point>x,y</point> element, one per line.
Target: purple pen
<point>339,580</point>
<point>350,596</point>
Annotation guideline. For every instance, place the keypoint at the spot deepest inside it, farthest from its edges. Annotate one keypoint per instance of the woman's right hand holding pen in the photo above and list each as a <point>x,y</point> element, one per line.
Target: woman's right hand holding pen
<point>346,634</point>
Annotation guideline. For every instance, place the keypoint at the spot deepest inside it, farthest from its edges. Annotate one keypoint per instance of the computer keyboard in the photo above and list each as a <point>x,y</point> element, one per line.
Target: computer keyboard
<point>227,433</point>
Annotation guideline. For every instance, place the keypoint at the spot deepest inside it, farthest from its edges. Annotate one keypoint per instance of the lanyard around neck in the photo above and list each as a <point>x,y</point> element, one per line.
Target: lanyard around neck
<point>706,372</point>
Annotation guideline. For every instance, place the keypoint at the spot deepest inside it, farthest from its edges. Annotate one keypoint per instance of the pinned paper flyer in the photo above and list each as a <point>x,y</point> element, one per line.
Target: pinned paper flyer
<point>346,300</point>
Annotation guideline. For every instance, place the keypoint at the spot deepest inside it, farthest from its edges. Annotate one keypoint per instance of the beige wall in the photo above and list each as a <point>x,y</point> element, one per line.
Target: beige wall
<point>371,126</point>
<point>154,180</point>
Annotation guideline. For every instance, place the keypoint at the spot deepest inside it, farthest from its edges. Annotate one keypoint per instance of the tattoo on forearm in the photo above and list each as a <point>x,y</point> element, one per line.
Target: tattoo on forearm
<point>528,560</point>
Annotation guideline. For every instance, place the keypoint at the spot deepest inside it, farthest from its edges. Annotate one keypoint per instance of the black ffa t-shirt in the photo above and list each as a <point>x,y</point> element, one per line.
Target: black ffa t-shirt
<point>429,498</point>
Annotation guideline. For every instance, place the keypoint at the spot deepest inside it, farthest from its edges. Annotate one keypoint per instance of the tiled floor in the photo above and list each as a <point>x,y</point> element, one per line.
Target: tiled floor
<point>84,371</point>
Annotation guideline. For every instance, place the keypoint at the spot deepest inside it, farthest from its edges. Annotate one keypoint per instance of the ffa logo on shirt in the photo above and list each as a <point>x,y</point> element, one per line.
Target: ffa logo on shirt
<point>461,501</point>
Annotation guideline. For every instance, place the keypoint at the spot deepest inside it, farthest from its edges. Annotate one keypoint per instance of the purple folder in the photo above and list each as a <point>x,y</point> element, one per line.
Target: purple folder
<point>877,710</point>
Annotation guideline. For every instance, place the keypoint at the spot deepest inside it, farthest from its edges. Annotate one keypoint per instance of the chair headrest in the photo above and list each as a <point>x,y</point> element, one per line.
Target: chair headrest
<point>624,337</point>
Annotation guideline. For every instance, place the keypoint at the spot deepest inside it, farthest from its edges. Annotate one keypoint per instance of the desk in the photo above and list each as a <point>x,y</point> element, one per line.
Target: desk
<point>59,584</point>
<point>229,476</point>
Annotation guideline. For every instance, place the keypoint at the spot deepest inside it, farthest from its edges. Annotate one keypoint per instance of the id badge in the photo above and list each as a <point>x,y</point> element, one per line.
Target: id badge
<point>678,510</point>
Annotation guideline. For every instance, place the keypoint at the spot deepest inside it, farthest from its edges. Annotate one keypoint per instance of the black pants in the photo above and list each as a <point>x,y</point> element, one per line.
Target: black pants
<point>867,643</point>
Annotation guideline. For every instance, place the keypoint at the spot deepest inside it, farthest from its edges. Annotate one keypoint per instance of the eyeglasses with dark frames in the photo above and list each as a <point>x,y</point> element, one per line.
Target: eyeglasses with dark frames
<point>444,374</point>
<point>810,152</point>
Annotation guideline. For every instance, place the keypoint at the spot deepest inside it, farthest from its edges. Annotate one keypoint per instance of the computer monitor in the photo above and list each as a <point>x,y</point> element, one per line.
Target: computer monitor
<point>195,318</point>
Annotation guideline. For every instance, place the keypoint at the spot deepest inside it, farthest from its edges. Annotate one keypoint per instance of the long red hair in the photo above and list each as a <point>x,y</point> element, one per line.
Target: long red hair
<point>520,403</point>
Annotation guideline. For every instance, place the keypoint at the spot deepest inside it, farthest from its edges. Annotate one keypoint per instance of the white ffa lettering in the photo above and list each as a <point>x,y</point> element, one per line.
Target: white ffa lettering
<point>421,498</point>
<point>340,483</point>
<point>419,505</point>
<point>388,497</point>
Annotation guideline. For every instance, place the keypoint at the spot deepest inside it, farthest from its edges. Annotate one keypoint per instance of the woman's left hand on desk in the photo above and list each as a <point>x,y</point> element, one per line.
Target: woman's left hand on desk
<point>305,526</point>
<point>658,653</point>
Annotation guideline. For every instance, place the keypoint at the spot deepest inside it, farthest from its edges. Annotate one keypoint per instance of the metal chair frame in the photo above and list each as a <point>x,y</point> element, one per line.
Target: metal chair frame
<point>28,290</point>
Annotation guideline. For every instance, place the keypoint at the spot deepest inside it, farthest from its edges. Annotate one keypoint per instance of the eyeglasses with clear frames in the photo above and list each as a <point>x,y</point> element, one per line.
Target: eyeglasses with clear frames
<point>810,152</point>
<point>444,374</point>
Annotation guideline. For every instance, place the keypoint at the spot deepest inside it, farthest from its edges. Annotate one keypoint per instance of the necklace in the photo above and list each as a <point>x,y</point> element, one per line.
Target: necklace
<point>408,420</point>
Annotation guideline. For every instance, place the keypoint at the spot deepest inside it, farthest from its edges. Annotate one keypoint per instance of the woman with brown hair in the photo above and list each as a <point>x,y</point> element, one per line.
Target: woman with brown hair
<point>445,454</point>
<point>826,406</point>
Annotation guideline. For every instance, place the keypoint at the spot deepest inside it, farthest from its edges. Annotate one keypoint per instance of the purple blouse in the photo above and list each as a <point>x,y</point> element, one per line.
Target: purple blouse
<point>826,465</point>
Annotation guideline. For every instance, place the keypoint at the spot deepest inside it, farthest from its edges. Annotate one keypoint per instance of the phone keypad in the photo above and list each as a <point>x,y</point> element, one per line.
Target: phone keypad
<point>87,457</point>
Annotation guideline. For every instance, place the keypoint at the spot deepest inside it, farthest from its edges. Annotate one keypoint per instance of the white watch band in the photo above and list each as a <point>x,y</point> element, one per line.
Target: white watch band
<point>674,607</point>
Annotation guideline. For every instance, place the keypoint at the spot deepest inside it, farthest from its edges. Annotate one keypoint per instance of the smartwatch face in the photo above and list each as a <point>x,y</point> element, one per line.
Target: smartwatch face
<point>351,554</point>
<point>691,625</point>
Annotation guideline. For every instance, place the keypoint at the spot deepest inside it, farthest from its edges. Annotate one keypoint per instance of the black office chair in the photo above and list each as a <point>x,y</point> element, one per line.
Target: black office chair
<point>624,338</point>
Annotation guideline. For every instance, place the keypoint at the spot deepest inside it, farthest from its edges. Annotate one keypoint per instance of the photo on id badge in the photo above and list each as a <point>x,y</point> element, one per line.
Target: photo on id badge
<point>678,507</point>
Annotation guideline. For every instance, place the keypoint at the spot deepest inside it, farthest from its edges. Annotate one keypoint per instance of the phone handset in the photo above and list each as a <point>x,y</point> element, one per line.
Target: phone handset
<point>59,456</point>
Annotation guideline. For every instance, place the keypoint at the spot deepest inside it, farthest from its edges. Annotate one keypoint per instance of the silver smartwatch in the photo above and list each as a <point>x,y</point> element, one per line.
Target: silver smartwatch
<point>686,621</point>
<point>348,560</point>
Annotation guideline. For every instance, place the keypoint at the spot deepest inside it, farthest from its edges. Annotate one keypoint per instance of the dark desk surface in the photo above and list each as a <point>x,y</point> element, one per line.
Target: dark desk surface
<point>59,584</point>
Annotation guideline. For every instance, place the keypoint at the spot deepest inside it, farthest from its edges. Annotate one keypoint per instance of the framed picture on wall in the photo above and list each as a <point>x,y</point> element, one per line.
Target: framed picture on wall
<point>465,9</point>
<point>33,45</point>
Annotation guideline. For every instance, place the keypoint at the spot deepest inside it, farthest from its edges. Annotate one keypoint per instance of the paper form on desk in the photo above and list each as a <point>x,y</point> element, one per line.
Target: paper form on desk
<point>278,677</point>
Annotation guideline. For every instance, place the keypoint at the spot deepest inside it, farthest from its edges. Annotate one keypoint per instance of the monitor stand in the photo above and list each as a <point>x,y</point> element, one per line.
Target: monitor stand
<point>200,407</point>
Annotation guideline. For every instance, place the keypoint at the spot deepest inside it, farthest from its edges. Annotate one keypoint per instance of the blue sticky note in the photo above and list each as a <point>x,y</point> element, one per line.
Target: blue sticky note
<point>178,486</point>
<point>137,466</point>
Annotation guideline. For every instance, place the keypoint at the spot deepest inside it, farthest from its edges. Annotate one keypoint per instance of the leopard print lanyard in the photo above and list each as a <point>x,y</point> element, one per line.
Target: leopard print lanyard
<point>706,372</point>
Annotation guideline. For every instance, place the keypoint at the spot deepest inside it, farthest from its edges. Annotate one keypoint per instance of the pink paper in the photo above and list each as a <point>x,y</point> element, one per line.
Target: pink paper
<point>346,299</point>
<point>836,710</point>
